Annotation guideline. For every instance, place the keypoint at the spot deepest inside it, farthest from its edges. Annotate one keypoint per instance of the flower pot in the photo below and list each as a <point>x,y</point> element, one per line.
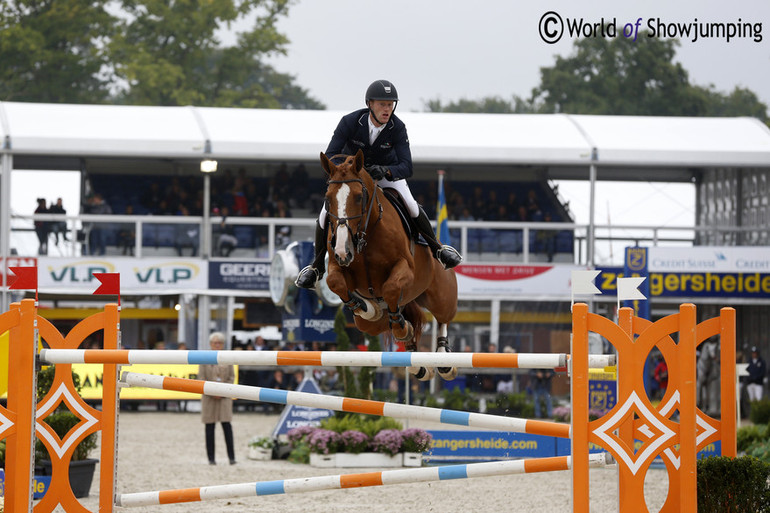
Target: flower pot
<point>412,459</point>
<point>260,453</point>
<point>81,474</point>
<point>323,460</point>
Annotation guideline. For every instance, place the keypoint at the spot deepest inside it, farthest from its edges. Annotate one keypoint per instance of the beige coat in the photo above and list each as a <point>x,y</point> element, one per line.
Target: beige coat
<point>216,409</point>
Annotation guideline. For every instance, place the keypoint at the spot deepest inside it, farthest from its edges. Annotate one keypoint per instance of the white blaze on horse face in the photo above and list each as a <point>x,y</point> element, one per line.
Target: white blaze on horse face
<point>340,248</point>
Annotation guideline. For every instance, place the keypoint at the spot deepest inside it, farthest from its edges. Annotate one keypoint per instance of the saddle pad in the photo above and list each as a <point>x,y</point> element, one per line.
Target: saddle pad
<point>403,213</point>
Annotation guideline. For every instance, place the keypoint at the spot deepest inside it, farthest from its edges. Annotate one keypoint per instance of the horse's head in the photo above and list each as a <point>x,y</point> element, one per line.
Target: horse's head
<point>349,199</point>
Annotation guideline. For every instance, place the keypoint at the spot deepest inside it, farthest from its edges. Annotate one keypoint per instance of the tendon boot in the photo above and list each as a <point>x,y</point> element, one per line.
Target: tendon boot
<point>310,275</point>
<point>447,255</point>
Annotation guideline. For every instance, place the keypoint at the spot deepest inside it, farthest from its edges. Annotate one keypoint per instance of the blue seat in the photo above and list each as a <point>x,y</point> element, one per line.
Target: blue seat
<point>510,241</point>
<point>489,241</point>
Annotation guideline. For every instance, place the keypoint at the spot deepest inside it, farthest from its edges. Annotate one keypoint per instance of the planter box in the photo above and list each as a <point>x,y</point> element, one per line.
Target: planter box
<point>260,453</point>
<point>81,473</point>
<point>362,460</point>
<point>413,459</point>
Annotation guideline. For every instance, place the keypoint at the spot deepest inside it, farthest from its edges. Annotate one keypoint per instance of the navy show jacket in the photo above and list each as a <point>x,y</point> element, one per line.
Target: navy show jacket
<point>390,149</point>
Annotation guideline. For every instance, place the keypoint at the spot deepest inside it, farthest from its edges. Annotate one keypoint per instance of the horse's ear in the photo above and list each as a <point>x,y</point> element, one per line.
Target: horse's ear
<point>359,162</point>
<point>326,164</point>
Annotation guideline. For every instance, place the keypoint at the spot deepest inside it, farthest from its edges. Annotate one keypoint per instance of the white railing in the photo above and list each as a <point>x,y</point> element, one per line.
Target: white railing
<point>479,241</point>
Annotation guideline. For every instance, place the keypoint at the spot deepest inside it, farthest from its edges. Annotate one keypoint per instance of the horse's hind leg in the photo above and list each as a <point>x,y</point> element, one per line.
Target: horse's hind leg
<point>442,341</point>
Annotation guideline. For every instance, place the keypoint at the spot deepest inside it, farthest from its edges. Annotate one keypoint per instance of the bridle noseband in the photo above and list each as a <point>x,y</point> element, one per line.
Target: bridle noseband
<point>359,238</point>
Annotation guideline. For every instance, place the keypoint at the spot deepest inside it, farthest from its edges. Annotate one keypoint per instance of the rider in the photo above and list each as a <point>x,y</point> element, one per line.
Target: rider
<point>382,137</point>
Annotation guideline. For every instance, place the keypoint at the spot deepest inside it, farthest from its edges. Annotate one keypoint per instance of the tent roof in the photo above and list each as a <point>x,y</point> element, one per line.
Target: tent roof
<point>261,134</point>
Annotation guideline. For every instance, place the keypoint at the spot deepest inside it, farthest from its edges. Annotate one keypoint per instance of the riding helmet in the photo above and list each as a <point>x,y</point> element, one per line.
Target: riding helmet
<point>381,90</point>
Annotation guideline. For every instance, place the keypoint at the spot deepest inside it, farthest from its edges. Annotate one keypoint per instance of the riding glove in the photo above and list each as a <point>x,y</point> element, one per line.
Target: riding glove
<point>377,171</point>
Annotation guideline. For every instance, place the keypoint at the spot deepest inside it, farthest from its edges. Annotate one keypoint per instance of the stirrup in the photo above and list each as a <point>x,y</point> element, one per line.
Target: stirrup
<point>307,277</point>
<point>448,257</point>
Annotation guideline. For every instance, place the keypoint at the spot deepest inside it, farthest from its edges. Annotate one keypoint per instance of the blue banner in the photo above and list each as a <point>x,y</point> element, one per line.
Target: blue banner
<point>488,446</point>
<point>298,416</point>
<point>239,275</point>
<point>636,267</point>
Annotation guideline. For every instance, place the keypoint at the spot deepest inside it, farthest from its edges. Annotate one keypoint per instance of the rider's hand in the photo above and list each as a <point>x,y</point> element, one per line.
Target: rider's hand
<point>377,172</point>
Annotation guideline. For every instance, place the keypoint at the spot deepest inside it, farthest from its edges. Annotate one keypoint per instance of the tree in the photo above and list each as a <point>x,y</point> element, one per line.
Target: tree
<point>169,53</point>
<point>54,51</point>
<point>619,77</point>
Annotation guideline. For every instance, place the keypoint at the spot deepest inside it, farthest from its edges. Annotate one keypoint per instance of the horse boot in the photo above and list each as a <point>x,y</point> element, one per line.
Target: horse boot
<point>309,276</point>
<point>447,255</point>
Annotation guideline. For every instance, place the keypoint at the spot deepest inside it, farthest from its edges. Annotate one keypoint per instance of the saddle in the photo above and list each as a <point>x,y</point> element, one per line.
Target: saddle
<point>403,213</point>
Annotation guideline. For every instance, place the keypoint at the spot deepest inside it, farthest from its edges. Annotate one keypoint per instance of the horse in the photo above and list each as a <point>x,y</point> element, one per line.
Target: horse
<point>383,275</point>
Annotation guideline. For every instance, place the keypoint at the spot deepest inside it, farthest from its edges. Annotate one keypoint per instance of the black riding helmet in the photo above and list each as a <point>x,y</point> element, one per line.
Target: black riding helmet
<point>382,90</point>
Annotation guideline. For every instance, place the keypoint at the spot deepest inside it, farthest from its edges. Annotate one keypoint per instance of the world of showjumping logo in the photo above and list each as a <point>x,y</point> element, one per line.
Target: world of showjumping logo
<point>553,27</point>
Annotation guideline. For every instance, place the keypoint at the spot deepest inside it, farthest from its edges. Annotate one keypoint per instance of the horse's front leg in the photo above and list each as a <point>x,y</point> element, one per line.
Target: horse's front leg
<point>341,284</point>
<point>392,293</point>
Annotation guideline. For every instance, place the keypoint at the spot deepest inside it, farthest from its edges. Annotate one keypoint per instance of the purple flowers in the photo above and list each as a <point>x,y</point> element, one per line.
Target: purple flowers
<point>323,441</point>
<point>354,442</point>
<point>297,435</point>
<point>387,441</point>
<point>415,440</point>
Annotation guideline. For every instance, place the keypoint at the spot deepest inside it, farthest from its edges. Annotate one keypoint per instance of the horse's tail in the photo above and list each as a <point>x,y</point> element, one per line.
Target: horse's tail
<point>416,317</point>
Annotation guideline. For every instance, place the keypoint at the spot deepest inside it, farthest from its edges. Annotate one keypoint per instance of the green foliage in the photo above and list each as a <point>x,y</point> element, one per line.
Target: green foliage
<point>146,52</point>
<point>366,374</point>
<point>618,76</point>
<point>2,453</point>
<point>367,424</point>
<point>513,405</point>
<point>760,450</point>
<point>265,442</point>
<point>456,399</point>
<point>748,435</point>
<point>759,411</point>
<point>733,485</point>
<point>55,51</point>
<point>300,453</point>
<point>61,420</point>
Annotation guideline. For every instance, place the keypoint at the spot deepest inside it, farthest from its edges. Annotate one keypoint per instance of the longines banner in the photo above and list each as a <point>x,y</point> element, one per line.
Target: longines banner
<point>136,275</point>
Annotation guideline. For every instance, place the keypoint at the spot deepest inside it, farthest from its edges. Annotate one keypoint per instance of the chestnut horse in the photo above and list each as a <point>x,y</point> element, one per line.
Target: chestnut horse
<point>380,273</point>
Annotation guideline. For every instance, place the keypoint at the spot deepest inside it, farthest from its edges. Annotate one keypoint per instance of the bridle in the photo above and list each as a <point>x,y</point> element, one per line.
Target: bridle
<point>358,238</point>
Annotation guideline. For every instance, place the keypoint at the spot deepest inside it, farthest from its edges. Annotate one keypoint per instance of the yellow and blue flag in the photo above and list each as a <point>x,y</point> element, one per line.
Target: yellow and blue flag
<point>442,223</point>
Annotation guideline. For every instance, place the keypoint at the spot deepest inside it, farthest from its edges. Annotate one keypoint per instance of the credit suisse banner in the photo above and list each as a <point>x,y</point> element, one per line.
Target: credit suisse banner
<point>707,271</point>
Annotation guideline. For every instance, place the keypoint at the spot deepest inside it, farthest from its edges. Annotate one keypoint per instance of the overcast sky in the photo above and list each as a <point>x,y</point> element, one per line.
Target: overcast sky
<point>451,50</point>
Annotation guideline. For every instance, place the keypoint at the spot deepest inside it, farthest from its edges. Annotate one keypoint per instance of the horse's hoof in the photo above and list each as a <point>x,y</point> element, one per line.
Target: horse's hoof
<point>408,333</point>
<point>422,373</point>
<point>447,373</point>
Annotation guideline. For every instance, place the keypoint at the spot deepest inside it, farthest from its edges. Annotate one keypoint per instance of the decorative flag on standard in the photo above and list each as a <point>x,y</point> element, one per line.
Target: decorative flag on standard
<point>442,219</point>
<point>26,278</point>
<point>110,283</point>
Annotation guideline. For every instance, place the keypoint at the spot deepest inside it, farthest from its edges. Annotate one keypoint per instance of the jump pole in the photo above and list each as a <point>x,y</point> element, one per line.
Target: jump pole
<point>320,358</point>
<point>335,482</point>
<point>346,404</point>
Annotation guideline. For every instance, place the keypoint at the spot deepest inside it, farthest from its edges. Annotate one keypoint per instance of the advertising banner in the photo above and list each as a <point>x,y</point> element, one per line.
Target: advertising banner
<point>91,380</point>
<point>136,275</point>
<point>502,280</point>
<point>239,275</point>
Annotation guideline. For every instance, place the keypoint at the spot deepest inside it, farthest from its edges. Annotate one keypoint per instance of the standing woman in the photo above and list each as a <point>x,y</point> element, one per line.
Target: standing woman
<point>217,409</point>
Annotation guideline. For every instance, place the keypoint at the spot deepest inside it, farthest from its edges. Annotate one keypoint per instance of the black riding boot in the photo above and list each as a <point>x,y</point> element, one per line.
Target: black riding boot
<point>447,255</point>
<point>308,276</point>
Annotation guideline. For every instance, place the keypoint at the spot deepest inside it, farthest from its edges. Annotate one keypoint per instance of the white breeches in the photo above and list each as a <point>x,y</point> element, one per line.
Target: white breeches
<point>400,186</point>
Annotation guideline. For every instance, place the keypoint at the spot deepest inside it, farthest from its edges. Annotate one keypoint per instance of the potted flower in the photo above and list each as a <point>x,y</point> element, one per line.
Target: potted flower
<point>323,444</point>
<point>261,448</point>
<point>414,442</point>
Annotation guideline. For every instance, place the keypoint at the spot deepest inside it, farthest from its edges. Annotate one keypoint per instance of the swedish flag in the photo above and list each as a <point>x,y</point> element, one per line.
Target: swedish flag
<point>442,223</point>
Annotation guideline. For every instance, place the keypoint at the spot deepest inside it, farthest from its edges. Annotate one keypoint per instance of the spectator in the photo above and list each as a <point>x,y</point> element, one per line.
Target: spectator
<point>282,232</point>
<point>42,228</point>
<point>708,378</point>
<point>227,240</point>
<point>217,409</point>
<point>512,203</point>
<point>127,234</point>
<point>757,370</point>
<point>97,237</point>
<point>300,186</point>
<point>533,205</point>
<point>540,382</point>
<point>58,227</point>
<point>546,239</point>
<point>186,234</point>
<point>152,198</point>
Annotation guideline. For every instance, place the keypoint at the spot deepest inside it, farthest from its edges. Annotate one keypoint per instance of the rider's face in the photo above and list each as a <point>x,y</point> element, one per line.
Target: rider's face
<point>382,110</point>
